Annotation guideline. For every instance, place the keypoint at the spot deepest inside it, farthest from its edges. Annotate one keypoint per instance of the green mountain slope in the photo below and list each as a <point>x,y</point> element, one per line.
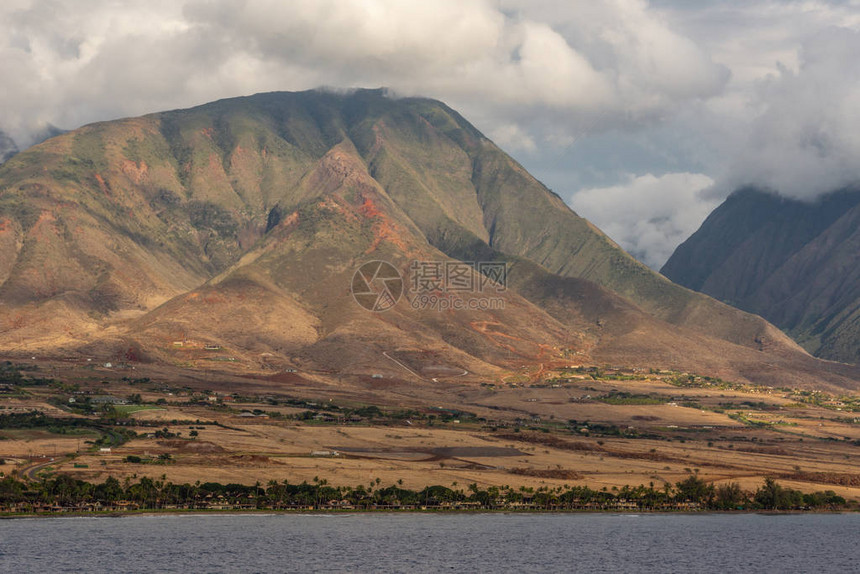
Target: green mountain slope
<point>795,263</point>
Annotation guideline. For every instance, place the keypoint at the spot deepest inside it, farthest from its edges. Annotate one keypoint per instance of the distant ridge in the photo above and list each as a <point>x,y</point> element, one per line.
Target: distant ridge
<point>7,147</point>
<point>795,263</point>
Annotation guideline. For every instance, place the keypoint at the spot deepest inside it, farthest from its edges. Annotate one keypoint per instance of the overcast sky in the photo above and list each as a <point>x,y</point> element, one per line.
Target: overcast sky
<point>642,115</point>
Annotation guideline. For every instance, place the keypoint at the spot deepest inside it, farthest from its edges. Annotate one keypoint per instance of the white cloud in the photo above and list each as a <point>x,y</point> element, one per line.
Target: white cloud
<point>807,139</point>
<point>511,137</point>
<point>648,215</point>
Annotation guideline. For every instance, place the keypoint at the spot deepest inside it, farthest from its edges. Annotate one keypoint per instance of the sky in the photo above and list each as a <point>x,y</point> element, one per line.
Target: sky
<point>642,115</point>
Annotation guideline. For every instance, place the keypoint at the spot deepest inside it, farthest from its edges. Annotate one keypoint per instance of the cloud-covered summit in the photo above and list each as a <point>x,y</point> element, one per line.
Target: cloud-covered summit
<point>519,60</point>
<point>588,95</point>
<point>806,140</point>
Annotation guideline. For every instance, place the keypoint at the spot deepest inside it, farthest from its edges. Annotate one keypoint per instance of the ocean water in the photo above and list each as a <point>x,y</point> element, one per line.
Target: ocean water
<point>433,543</point>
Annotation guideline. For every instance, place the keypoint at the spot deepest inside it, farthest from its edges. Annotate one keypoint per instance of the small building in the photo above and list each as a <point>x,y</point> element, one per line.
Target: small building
<point>107,400</point>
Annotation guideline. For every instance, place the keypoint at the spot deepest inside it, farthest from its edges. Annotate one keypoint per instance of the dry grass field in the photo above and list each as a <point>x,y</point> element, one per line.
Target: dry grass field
<point>600,430</point>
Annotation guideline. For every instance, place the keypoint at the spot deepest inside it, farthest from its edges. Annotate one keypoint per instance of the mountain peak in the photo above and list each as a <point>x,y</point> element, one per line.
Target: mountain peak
<point>242,222</point>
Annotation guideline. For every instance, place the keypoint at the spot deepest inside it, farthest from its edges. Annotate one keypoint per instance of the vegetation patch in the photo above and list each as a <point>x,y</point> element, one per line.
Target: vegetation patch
<point>63,493</point>
<point>129,409</point>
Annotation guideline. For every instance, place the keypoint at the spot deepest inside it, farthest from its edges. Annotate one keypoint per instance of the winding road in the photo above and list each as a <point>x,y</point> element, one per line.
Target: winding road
<point>29,472</point>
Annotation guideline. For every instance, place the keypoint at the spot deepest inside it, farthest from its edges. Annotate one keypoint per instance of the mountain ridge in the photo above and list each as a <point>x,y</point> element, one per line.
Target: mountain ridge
<point>790,261</point>
<point>135,234</point>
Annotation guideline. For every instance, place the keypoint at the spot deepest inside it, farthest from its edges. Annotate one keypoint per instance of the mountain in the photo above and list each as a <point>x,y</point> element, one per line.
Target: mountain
<point>795,263</point>
<point>7,147</point>
<point>239,226</point>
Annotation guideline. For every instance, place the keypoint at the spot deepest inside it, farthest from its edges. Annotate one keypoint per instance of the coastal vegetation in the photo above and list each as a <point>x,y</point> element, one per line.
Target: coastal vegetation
<point>63,493</point>
<point>570,438</point>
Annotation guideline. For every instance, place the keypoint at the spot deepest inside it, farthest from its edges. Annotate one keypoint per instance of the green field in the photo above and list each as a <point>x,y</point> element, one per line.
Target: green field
<point>128,409</point>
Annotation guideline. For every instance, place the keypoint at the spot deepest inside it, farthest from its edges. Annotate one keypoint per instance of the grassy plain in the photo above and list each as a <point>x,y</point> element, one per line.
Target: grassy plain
<point>592,427</point>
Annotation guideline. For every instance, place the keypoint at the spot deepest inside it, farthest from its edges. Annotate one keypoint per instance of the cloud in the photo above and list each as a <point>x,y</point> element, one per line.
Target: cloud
<point>648,215</point>
<point>75,63</point>
<point>513,62</point>
<point>511,137</point>
<point>806,140</point>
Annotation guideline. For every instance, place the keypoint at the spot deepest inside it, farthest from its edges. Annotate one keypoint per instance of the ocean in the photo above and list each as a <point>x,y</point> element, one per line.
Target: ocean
<point>416,542</point>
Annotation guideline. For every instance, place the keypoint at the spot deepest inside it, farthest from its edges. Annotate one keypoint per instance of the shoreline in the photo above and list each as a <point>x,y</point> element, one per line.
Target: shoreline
<point>323,512</point>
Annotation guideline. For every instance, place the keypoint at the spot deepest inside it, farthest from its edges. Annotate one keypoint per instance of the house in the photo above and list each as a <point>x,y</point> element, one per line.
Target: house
<point>107,400</point>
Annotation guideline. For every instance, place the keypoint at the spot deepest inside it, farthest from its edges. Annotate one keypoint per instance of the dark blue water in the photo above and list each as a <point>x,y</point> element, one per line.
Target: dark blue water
<point>433,543</point>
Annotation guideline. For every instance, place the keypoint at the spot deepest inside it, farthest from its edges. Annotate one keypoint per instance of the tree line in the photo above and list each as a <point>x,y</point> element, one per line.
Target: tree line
<point>62,492</point>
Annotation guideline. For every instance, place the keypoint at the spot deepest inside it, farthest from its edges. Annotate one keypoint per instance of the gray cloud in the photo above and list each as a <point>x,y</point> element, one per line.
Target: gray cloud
<point>516,61</point>
<point>649,215</point>
<point>806,141</point>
